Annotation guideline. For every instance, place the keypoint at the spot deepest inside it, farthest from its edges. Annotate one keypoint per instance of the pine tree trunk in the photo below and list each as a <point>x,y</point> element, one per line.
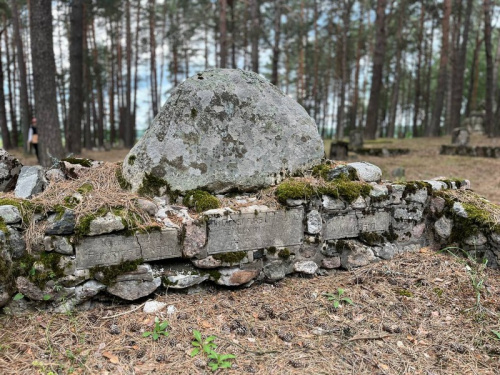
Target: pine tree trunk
<point>418,79</point>
<point>152,55</point>
<point>276,45</point>
<point>346,17</point>
<point>13,117</point>
<point>433,129</point>
<point>255,34</point>
<point>474,77</point>
<point>44,80</point>
<point>23,80</point>
<point>359,47</point>
<point>76,78</point>
<point>129,142</point>
<point>7,144</point>
<point>488,118</point>
<point>378,66</point>
<point>223,34</point>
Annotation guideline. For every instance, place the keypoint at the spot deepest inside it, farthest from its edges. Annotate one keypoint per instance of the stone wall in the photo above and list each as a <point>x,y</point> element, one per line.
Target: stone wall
<point>479,151</point>
<point>232,246</point>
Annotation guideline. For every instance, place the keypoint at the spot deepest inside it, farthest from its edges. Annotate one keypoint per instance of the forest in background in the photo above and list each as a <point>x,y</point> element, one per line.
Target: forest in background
<point>95,72</point>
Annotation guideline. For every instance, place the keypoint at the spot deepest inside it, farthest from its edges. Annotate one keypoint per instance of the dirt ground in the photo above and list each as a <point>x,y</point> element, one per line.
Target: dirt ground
<point>420,313</point>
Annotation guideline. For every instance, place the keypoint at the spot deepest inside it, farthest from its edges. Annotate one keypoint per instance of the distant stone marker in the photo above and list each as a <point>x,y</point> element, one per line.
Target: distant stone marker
<point>460,137</point>
<point>225,129</point>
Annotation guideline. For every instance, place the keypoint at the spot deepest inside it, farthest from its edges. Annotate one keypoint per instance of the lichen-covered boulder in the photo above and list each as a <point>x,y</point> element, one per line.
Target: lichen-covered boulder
<point>221,130</point>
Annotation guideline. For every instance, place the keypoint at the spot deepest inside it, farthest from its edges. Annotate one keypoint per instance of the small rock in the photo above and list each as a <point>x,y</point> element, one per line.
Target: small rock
<point>185,281</point>
<point>356,255</point>
<point>359,203</point>
<point>330,263</point>
<point>443,227</point>
<point>10,168</point>
<point>344,171</point>
<point>476,240</point>
<point>330,203</point>
<point>88,290</point>
<point>114,329</point>
<point>437,205</point>
<point>295,202</point>
<point>208,262</point>
<point>64,226</point>
<point>236,276</point>
<point>171,310</point>
<point>306,267</point>
<point>148,206</point>
<point>194,241</point>
<point>10,214</point>
<point>459,209</point>
<point>134,289</point>
<point>367,172</point>
<point>437,185</point>
<point>378,191</point>
<point>152,307</point>
<point>314,222</point>
<point>55,175</point>
<point>73,171</point>
<point>106,224</point>
<point>31,181</point>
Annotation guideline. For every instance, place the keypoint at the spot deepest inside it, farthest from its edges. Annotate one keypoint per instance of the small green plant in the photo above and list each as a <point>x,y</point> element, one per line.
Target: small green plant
<point>208,347</point>
<point>18,296</point>
<point>338,298</point>
<point>160,329</point>
<point>497,334</point>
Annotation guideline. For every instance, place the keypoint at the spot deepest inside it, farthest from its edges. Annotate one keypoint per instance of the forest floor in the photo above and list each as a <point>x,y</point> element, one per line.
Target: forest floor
<point>420,313</point>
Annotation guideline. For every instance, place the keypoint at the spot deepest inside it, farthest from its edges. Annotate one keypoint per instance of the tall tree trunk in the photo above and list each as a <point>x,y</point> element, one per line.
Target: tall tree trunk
<point>276,45</point>
<point>346,18</point>
<point>12,108</point>
<point>233,34</point>
<point>223,34</point>
<point>459,70</point>
<point>433,129</point>
<point>74,135</point>
<point>111,87</point>
<point>136,76</point>
<point>44,80</point>
<point>378,66</point>
<point>488,118</point>
<point>474,77</point>
<point>359,47</point>
<point>129,142</point>
<point>152,57</point>
<point>428,79</point>
<point>7,144</point>
<point>255,34</point>
<point>418,92</point>
<point>23,80</point>
<point>100,95</point>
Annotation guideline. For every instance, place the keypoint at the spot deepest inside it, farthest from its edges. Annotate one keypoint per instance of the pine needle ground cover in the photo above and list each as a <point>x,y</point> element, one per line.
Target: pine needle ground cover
<point>415,314</point>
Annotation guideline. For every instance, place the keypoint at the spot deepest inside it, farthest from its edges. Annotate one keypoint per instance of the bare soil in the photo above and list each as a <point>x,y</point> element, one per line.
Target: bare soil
<point>416,314</point>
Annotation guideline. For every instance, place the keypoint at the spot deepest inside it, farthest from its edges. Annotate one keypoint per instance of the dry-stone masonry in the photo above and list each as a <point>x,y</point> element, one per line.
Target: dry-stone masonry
<point>223,130</point>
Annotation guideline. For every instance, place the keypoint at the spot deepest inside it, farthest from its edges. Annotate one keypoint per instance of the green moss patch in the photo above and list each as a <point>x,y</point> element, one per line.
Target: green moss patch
<point>25,207</point>
<point>85,188</point>
<point>124,184</point>
<point>321,170</point>
<point>200,200</point>
<point>52,270</point>
<point>284,253</point>
<point>152,186</point>
<point>131,160</point>
<point>231,258</point>
<point>110,273</point>
<point>411,187</point>
<point>294,189</point>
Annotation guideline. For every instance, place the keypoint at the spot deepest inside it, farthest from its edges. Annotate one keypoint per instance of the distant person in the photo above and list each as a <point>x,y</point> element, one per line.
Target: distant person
<point>33,137</point>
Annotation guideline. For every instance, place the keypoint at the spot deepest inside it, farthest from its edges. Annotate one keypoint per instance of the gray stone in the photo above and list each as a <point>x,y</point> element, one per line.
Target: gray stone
<point>437,205</point>
<point>478,239</point>
<point>420,196</point>
<point>150,207</point>
<point>407,214</point>
<point>10,214</point>
<point>330,203</point>
<point>351,224</point>
<point>58,244</point>
<point>460,136</point>
<point>88,290</point>
<point>9,171</point>
<point>224,129</point>
<point>356,255</point>
<point>314,222</point>
<point>64,226</point>
<point>443,227</point>
<point>331,263</point>
<point>276,270</point>
<point>6,287</point>
<point>208,262</point>
<point>73,171</point>
<point>386,251</point>
<point>437,185</point>
<point>307,267</point>
<point>379,191</point>
<point>112,249</point>
<point>236,232</point>
<point>106,224</point>
<point>55,175</point>
<point>185,281</point>
<point>397,192</point>
<point>134,289</point>
<point>29,289</point>
<point>152,307</point>
<point>459,209</point>
<point>31,181</point>
<point>367,172</point>
<point>295,202</point>
<point>236,276</point>
<point>341,171</point>
<point>143,272</point>
<point>17,244</point>
<point>359,203</point>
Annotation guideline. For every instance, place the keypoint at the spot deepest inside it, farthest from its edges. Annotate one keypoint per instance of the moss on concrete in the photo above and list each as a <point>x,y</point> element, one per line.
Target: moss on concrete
<point>110,273</point>
<point>200,200</point>
<point>231,258</point>
<point>284,253</point>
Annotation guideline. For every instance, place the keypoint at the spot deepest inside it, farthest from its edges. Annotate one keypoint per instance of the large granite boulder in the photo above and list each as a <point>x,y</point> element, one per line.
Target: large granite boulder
<point>224,129</point>
<point>10,168</point>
